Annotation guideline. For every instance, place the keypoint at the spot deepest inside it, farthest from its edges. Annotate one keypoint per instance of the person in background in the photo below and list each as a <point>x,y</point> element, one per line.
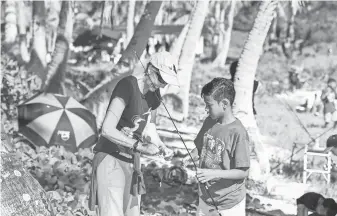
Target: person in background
<point>317,204</point>
<point>128,130</point>
<point>222,146</point>
<point>328,97</point>
<point>232,70</point>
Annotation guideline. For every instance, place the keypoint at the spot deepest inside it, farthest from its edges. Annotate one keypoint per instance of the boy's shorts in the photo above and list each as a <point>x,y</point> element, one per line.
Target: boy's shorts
<point>238,210</point>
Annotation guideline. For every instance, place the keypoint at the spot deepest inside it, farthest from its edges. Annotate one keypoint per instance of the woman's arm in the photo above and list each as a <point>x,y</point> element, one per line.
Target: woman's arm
<point>110,131</point>
<point>151,135</point>
<point>111,120</point>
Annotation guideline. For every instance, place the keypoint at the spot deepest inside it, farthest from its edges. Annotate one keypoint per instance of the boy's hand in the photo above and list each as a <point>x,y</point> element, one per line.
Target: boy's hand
<point>205,175</point>
<point>194,154</point>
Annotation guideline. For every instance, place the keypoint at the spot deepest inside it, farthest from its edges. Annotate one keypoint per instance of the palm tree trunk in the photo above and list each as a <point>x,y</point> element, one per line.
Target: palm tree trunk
<point>291,23</point>
<point>57,67</point>
<point>187,56</point>
<point>11,30</point>
<point>222,27</point>
<point>21,194</point>
<point>244,78</point>
<point>100,95</point>
<point>38,61</point>
<point>175,50</point>
<point>177,46</point>
<point>222,55</point>
<point>219,26</point>
<point>22,24</point>
<point>130,21</point>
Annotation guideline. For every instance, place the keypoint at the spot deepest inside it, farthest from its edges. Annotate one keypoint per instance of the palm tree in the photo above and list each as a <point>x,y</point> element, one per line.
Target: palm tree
<point>187,55</point>
<point>21,193</point>
<point>57,67</point>
<point>130,21</point>
<point>38,62</point>
<point>245,75</point>
<point>22,26</point>
<point>11,30</point>
<point>177,46</point>
<point>97,99</point>
<point>225,40</point>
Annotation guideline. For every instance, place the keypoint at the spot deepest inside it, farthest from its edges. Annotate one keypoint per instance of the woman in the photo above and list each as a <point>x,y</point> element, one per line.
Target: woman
<point>128,131</point>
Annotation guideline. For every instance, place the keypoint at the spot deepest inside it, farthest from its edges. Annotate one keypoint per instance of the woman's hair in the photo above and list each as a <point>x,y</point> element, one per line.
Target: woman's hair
<point>219,88</point>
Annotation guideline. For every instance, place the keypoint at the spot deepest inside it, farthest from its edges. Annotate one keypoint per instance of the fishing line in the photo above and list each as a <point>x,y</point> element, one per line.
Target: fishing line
<point>306,130</point>
<point>194,164</point>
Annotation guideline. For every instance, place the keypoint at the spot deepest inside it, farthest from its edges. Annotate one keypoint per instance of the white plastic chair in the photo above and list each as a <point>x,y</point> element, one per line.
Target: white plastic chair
<point>326,153</point>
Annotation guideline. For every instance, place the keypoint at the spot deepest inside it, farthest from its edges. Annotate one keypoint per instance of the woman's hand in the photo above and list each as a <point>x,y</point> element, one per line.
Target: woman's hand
<point>205,175</point>
<point>150,134</point>
<point>148,148</point>
<point>167,153</point>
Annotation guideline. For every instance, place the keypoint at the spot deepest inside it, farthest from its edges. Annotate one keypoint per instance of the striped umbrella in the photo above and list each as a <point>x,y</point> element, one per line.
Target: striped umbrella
<point>51,119</point>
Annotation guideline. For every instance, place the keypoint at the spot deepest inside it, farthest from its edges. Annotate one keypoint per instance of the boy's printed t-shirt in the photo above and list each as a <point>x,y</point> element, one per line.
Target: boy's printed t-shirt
<point>223,147</point>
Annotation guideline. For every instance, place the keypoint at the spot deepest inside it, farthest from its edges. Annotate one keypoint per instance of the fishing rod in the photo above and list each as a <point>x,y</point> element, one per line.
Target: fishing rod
<point>194,164</point>
<point>272,169</point>
<point>306,130</point>
<point>299,121</point>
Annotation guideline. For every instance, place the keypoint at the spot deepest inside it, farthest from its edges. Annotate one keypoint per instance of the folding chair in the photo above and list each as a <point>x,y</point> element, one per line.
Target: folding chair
<point>326,153</point>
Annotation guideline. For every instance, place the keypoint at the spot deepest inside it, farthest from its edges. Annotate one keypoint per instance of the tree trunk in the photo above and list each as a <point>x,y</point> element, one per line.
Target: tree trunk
<point>97,99</point>
<point>175,50</point>
<point>130,21</point>
<point>21,194</point>
<point>187,56</point>
<point>291,29</point>
<point>22,25</point>
<point>177,46</point>
<point>38,62</point>
<point>11,30</point>
<point>245,75</point>
<point>222,55</point>
<point>221,27</point>
<point>58,65</point>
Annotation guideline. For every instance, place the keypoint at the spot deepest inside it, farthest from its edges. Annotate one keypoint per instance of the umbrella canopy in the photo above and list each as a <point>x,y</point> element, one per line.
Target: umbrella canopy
<point>51,119</point>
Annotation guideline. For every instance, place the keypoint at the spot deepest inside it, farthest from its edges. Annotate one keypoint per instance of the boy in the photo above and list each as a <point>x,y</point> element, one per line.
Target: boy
<point>316,203</point>
<point>223,146</point>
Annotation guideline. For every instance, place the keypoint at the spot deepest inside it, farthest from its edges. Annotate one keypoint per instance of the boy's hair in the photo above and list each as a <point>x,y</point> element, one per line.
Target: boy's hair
<point>329,203</point>
<point>219,88</point>
<point>232,69</point>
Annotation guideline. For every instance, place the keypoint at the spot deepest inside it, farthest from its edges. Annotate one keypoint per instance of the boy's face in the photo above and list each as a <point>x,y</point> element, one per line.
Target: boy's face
<point>213,108</point>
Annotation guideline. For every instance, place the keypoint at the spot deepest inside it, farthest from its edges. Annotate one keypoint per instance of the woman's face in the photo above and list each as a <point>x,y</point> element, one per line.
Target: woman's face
<point>154,80</point>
